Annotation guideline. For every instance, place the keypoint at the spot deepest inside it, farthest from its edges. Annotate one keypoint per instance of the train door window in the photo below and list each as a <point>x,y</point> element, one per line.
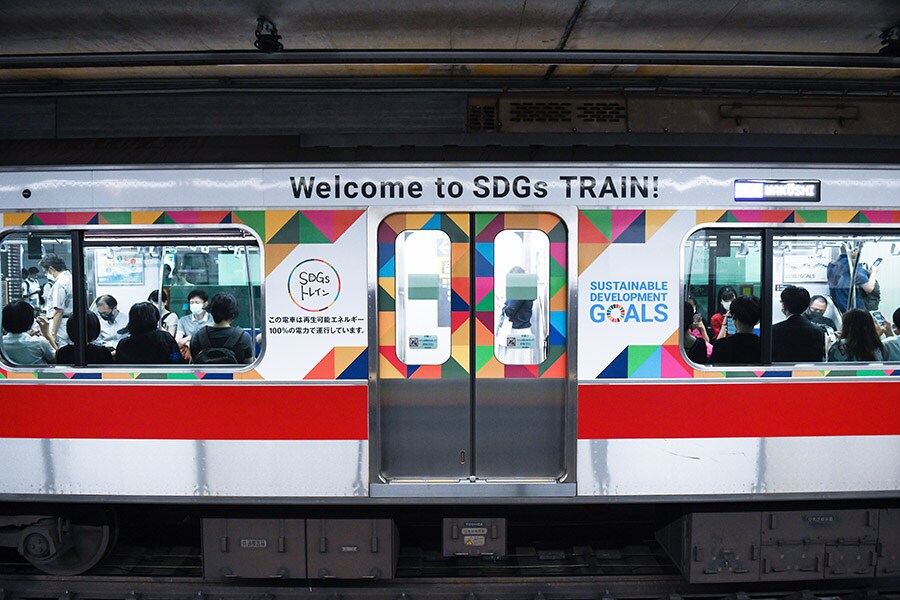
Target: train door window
<point>37,296</point>
<point>423,318</point>
<point>522,297</point>
<point>723,279</point>
<point>847,284</point>
<point>152,297</point>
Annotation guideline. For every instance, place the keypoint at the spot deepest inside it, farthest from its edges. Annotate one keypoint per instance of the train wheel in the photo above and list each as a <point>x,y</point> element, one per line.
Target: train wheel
<point>59,546</point>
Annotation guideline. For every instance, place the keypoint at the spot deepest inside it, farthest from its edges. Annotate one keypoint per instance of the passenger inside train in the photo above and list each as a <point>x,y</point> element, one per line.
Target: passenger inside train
<point>95,353</point>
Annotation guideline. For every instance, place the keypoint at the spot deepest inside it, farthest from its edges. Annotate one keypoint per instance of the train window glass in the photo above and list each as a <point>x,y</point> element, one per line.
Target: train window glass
<point>37,296</point>
<point>152,301</point>
<point>838,272</point>
<point>423,297</point>
<point>723,281</point>
<point>522,297</point>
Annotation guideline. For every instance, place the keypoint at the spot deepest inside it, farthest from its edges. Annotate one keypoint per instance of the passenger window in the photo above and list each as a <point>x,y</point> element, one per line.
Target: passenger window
<point>154,300</point>
<point>423,297</point>
<point>835,297</point>
<point>37,296</point>
<point>722,285</point>
<point>522,296</point>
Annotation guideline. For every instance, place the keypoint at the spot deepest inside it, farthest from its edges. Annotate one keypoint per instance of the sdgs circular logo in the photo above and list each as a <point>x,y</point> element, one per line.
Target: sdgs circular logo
<point>314,285</point>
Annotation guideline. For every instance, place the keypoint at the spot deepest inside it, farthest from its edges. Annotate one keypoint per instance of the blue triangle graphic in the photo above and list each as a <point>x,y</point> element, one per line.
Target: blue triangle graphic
<point>387,269</point>
<point>457,303</point>
<point>434,222</point>
<point>652,367</point>
<point>634,233</point>
<point>617,369</point>
<point>358,369</point>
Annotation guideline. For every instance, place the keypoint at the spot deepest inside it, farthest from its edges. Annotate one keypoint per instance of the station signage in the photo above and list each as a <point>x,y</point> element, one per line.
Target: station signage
<point>774,190</point>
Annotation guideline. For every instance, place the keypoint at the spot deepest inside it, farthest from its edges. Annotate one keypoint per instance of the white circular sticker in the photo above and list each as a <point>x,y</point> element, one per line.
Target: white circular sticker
<point>314,285</point>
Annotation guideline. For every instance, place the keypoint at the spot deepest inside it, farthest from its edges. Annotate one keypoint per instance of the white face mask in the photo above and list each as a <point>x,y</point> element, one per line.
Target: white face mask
<point>50,278</point>
<point>726,305</point>
<point>196,309</point>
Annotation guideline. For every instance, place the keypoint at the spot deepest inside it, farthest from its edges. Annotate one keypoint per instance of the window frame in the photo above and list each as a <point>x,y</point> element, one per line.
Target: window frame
<point>85,237</point>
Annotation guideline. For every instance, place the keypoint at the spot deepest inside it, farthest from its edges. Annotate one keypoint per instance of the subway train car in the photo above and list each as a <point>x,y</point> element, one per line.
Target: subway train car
<point>448,335</point>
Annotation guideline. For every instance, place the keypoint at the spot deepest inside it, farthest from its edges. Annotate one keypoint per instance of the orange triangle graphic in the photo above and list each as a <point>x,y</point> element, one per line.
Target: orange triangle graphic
<point>343,220</point>
<point>461,220</point>
<point>656,219</point>
<point>493,369</point>
<point>587,254</point>
<point>546,222</point>
<point>709,216</point>
<point>249,376</point>
<point>343,356</point>
<point>141,217</point>
<point>417,220</point>
<point>557,369</point>
<point>558,301</point>
<point>427,372</point>
<point>386,370</point>
<point>275,255</point>
<point>12,219</point>
<point>521,221</point>
<point>841,216</point>
<point>674,339</point>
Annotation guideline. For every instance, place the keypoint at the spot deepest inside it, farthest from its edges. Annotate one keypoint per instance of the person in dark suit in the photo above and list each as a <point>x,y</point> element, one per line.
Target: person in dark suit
<point>796,339</point>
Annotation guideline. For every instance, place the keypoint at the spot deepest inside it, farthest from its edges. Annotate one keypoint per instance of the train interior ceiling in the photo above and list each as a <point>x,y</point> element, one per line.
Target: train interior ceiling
<point>115,83</point>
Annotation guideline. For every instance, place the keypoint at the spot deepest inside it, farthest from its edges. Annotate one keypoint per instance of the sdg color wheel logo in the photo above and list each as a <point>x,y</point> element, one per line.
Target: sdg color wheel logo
<point>314,285</point>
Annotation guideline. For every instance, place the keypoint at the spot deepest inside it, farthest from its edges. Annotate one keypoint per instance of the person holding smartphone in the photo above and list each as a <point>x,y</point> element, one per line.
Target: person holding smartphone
<point>892,343</point>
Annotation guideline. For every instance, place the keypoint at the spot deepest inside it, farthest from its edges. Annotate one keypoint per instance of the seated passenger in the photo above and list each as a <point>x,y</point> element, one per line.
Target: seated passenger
<point>95,354</point>
<point>694,347</point>
<point>113,322</point>
<point>796,339</point>
<point>20,346</point>
<point>146,343</point>
<point>859,339</point>
<point>221,343</point>
<point>816,313</point>
<point>188,325</point>
<point>742,348</point>
<point>892,343</point>
<point>169,319</point>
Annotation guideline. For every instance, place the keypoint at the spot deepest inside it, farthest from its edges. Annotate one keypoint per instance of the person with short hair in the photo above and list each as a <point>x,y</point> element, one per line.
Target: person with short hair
<point>796,339</point>
<point>94,354</point>
<point>60,299</point>
<point>816,313</point>
<point>188,325</point>
<point>224,309</point>
<point>741,348</point>
<point>113,322</point>
<point>19,346</point>
<point>169,321</point>
<point>859,339</point>
<point>892,343</point>
<point>31,287</point>
<point>146,344</point>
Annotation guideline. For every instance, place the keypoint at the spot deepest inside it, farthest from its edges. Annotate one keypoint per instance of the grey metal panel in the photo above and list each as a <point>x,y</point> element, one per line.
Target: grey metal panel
<point>520,428</point>
<point>792,562</point>
<point>424,428</point>
<point>27,118</point>
<point>728,466</point>
<point>473,489</point>
<point>154,115</point>
<point>352,548</point>
<point>474,537</point>
<point>889,543</point>
<point>184,468</point>
<point>820,526</point>
<point>254,548</point>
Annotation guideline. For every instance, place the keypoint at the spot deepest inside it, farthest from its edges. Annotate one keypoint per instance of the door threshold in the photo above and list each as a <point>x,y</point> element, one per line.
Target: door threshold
<point>478,488</point>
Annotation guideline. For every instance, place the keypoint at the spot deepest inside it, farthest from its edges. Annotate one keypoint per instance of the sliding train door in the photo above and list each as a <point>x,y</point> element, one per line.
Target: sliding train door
<point>471,377</point>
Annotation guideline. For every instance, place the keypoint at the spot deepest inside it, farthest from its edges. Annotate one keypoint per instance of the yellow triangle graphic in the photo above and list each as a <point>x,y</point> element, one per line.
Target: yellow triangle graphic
<point>249,376</point>
<point>461,355</point>
<point>588,253</point>
<point>141,217</point>
<point>386,370</point>
<point>417,220</point>
<point>461,220</point>
<point>276,219</point>
<point>493,368</point>
<point>343,356</point>
<point>655,220</point>
<point>709,216</point>
<point>673,339</point>
<point>521,221</point>
<point>841,216</point>
<point>13,219</point>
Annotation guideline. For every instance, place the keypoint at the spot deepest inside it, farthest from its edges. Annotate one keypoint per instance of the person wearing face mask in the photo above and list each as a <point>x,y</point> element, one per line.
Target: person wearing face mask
<point>726,297</point>
<point>796,340</point>
<point>31,287</point>
<point>816,314</point>
<point>60,301</point>
<point>113,322</point>
<point>190,324</point>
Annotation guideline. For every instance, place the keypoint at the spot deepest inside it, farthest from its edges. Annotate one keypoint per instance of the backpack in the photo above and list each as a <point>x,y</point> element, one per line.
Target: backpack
<point>217,355</point>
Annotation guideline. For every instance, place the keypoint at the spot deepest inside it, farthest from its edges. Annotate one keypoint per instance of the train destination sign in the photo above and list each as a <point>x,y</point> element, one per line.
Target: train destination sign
<point>762,190</point>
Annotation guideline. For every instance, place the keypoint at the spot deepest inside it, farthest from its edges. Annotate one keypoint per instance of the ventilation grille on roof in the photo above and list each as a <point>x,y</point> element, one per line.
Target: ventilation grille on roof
<point>601,112</point>
<point>482,115</point>
<point>540,112</point>
<point>566,114</point>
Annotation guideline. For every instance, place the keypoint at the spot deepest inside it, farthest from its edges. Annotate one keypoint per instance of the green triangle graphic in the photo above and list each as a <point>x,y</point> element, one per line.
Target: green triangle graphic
<point>601,219</point>
<point>482,220</point>
<point>254,219</point>
<point>486,304</point>
<point>553,355</point>
<point>558,233</point>
<point>452,230</point>
<point>638,355</point>
<point>483,355</point>
<point>33,220</point>
<point>164,219</point>
<point>452,370</point>
<point>385,301</point>
<point>116,218</point>
<point>309,233</point>
<point>813,216</point>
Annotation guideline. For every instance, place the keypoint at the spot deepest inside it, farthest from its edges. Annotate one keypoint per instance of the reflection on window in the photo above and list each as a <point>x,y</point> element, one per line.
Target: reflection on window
<point>423,297</point>
<point>522,296</point>
<point>849,289</point>
<point>723,286</point>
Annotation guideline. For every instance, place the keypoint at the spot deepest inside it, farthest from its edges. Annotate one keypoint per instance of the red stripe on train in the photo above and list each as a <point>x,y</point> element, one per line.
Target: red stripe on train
<point>826,408</point>
<point>178,412</point>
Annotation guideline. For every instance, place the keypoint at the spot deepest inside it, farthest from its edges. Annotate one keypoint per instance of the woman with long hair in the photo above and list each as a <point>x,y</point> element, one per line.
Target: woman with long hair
<point>725,297</point>
<point>859,341</point>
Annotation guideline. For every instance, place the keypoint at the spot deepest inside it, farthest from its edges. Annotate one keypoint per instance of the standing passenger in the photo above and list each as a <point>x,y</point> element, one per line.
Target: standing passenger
<point>796,339</point>
<point>31,287</point>
<point>59,303</point>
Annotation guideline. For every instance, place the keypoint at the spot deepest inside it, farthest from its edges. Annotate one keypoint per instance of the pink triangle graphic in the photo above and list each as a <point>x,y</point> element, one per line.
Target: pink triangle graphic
<point>323,220</point>
<point>621,219</point>
<point>558,252</point>
<point>673,365</point>
<point>483,287</point>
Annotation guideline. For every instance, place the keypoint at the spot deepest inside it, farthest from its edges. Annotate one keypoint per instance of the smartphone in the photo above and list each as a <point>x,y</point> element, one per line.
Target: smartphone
<point>876,262</point>
<point>879,318</point>
<point>729,324</point>
<point>697,317</point>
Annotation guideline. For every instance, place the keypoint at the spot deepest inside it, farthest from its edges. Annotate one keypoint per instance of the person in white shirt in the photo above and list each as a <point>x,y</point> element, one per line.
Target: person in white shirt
<point>31,287</point>
<point>190,324</point>
<point>19,346</point>
<point>60,303</point>
<point>112,321</point>
<point>892,343</point>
